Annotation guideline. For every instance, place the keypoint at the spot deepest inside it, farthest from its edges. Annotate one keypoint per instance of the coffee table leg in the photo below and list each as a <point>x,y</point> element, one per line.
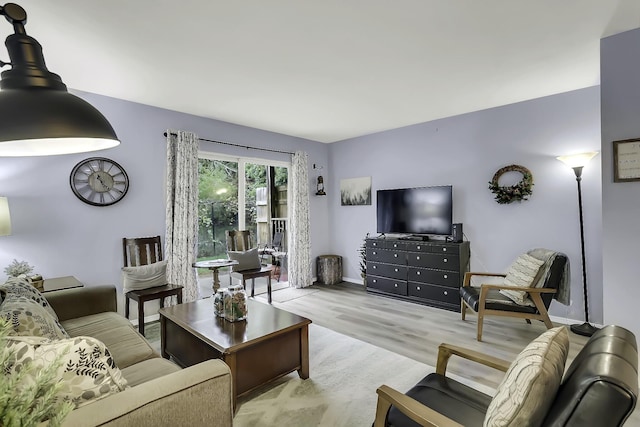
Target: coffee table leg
<point>303,372</point>
<point>230,360</point>
<point>163,336</point>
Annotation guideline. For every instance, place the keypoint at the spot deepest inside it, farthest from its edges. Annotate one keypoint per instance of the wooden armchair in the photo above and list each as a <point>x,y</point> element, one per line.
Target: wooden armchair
<point>487,300</point>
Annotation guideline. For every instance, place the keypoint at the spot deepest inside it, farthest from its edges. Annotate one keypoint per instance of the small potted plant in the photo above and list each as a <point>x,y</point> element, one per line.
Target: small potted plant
<point>18,268</point>
<point>363,259</point>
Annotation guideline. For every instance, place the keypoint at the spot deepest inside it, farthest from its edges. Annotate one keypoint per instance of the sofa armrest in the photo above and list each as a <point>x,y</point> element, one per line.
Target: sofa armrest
<point>199,395</point>
<point>78,302</point>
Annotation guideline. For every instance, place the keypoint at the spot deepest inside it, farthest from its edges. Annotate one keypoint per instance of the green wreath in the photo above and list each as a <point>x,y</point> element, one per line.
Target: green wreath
<point>514,193</point>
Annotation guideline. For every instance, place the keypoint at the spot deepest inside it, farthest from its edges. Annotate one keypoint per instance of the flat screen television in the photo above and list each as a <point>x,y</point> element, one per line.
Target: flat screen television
<point>422,210</point>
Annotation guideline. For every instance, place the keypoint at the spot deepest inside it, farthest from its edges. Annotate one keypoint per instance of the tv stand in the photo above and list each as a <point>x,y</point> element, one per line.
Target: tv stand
<point>409,268</point>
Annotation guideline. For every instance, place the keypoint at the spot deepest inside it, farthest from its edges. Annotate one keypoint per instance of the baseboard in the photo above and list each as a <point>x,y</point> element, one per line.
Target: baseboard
<point>351,280</point>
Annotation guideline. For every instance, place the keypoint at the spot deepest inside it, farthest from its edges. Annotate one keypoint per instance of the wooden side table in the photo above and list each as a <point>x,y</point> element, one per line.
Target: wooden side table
<point>59,283</point>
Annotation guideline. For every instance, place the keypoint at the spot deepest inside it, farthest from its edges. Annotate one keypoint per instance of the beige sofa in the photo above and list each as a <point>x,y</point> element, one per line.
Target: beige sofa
<point>161,393</point>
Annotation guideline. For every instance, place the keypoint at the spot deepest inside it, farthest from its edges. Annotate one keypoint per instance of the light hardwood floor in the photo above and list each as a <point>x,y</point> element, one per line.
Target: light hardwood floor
<point>415,330</point>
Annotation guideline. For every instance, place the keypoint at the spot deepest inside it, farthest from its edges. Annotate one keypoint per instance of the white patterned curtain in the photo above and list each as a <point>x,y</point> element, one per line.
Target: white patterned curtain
<point>299,238</point>
<point>181,236</point>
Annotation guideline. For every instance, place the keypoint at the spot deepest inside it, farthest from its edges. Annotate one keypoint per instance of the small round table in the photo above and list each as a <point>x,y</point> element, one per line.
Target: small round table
<point>215,265</point>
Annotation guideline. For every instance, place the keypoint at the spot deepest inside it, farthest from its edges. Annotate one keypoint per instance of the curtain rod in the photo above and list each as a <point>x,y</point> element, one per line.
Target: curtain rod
<point>238,145</point>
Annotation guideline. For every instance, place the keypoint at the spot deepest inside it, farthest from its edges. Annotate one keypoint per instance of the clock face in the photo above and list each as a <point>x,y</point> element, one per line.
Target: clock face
<point>99,181</point>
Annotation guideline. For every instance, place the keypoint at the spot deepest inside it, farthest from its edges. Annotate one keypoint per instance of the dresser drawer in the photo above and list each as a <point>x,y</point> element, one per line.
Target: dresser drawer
<point>437,277</point>
<point>388,256</point>
<point>418,247</point>
<point>451,249</point>
<point>371,243</point>
<point>390,286</point>
<point>439,261</point>
<point>387,270</point>
<point>395,245</point>
<point>434,293</point>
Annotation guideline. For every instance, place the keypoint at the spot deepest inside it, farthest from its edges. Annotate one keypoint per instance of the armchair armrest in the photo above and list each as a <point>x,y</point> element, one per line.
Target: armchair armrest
<point>78,302</point>
<point>469,274</point>
<point>413,409</point>
<point>518,288</point>
<point>197,395</point>
<point>445,351</point>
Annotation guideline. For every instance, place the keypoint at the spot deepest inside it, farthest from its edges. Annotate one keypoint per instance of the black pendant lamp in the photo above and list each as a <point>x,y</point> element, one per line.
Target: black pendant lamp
<point>38,117</point>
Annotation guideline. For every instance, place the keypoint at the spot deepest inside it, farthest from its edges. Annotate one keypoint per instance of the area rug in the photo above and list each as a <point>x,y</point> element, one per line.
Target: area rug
<point>344,374</point>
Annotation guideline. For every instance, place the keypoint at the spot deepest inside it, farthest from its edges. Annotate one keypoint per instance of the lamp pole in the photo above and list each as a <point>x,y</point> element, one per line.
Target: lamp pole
<point>577,162</point>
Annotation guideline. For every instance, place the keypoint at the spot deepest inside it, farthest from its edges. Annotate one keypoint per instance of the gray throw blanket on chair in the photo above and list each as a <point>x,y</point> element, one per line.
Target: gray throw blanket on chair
<point>563,294</point>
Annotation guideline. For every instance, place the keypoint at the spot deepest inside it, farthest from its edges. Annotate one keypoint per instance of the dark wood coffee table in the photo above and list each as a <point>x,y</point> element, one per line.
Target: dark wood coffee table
<point>269,344</point>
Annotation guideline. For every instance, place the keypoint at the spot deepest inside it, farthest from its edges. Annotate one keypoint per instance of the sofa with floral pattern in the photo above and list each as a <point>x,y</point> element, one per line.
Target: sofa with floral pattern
<point>109,372</point>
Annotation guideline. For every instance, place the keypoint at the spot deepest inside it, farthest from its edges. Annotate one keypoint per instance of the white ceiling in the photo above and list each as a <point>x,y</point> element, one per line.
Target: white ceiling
<point>326,70</point>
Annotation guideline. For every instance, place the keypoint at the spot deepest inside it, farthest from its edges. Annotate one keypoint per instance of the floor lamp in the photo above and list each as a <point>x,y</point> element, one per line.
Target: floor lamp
<point>577,162</point>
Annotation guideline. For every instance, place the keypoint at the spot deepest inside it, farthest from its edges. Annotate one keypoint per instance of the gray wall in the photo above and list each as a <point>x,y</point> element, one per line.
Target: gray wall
<point>620,92</point>
<point>60,235</point>
<point>466,151</point>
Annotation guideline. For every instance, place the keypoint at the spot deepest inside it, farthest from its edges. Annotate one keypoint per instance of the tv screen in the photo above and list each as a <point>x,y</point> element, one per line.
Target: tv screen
<point>422,210</point>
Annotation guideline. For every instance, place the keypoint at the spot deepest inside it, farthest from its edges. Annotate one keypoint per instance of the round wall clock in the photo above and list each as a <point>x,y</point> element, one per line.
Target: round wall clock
<point>99,181</point>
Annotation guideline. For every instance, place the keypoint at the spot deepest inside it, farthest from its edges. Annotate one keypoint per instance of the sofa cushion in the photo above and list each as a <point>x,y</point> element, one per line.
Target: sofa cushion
<point>247,260</point>
<point>530,384</point>
<point>21,286</point>
<point>125,344</point>
<point>86,371</point>
<point>144,276</point>
<point>94,323</point>
<point>521,273</point>
<point>148,370</point>
<point>29,318</point>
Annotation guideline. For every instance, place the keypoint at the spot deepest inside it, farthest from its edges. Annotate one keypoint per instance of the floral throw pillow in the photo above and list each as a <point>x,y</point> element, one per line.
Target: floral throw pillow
<point>86,371</point>
<point>29,318</point>
<point>21,286</point>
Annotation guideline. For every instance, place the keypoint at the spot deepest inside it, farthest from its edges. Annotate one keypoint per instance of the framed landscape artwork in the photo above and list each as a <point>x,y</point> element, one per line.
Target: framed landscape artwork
<point>355,191</point>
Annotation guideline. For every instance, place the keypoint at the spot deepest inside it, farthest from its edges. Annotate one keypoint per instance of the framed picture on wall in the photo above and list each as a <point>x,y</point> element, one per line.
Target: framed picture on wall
<point>626,160</point>
<point>355,191</point>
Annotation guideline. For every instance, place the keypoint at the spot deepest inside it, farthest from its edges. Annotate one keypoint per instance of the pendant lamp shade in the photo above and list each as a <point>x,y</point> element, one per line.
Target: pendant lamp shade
<point>38,117</point>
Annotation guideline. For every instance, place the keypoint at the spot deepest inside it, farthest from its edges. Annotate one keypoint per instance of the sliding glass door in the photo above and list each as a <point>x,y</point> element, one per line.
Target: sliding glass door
<point>239,194</point>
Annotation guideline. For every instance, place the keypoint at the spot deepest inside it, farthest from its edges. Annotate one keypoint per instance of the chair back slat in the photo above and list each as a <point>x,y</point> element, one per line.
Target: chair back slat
<point>238,240</point>
<point>141,251</point>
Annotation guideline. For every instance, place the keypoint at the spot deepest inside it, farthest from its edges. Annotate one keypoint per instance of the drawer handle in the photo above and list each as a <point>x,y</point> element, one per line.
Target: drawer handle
<point>418,288</point>
<point>395,285</point>
<point>446,293</point>
<point>395,269</point>
<point>445,276</point>
<point>395,245</point>
<point>445,260</point>
<point>444,249</point>
<point>418,273</point>
<point>375,244</point>
<point>395,255</point>
<point>418,257</point>
<point>375,281</point>
<point>419,246</point>
<point>375,253</point>
<point>375,266</point>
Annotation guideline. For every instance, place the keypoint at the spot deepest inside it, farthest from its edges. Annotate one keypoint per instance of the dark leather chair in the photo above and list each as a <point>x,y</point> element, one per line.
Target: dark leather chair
<point>599,388</point>
<point>487,300</point>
